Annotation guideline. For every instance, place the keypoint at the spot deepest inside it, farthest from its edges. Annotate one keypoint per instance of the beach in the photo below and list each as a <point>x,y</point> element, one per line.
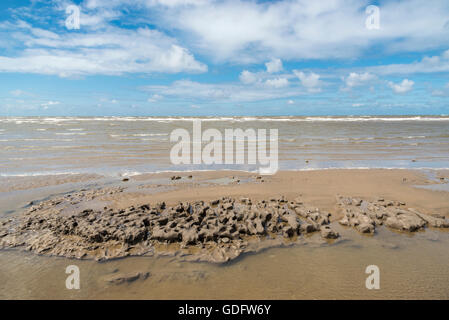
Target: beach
<point>296,267</point>
<point>136,228</point>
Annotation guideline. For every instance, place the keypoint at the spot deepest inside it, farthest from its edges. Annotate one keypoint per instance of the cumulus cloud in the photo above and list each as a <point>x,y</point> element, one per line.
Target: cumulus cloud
<point>192,90</point>
<point>174,3</point>
<point>310,81</point>
<point>107,50</point>
<point>277,82</point>
<point>358,79</point>
<point>155,97</point>
<point>45,105</point>
<point>402,87</point>
<point>252,31</point>
<point>248,77</point>
<point>431,64</point>
<point>274,65</point>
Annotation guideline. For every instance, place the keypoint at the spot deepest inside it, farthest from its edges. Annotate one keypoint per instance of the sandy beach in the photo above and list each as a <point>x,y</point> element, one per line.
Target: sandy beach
<point>317,187</point>
<point>308,195</point>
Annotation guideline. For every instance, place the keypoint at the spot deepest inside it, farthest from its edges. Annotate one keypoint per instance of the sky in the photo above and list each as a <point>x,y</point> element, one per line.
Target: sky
<point>213,58</point>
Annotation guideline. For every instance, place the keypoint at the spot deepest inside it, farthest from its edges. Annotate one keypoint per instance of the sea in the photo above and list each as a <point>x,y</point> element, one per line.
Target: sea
<point>127,146</point>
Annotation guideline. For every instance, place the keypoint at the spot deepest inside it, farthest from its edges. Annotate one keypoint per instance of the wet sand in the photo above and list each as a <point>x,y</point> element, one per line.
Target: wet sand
<point>317,187</point>
<point>413,265</point>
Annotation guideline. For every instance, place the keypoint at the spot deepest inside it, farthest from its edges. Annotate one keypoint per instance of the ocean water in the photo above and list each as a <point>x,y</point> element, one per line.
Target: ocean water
<point>123,146</point>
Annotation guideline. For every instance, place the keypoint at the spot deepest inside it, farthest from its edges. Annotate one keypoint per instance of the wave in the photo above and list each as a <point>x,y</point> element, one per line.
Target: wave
<point>188,170</point>
<point>139,135</point>
<point>56,120</point>
<point>70,133</point>
<point>149,134</point>
<point>37,174</point>
<point>362,119</point>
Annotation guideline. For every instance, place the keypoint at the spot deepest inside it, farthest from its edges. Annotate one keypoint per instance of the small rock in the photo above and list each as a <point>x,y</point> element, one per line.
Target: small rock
<point>328,233</point>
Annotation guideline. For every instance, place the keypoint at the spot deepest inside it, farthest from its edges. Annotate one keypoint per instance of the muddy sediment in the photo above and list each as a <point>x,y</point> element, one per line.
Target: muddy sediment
<point>215,231</point>
<point>365,216</point>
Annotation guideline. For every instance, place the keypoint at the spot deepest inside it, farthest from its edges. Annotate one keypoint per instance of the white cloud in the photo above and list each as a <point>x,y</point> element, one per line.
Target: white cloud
<point>45,105</point>
<point>252,31</point>
<point>191,90</point>
<point>290,102</point>
<point>403,87</point>
<point>230,30</point>
<point>425,65</point>
<point>443,92</point>
<point>109,51</point>
<point>18,93</point>
<point>358,79</point>
<point>274,65</point>
<point>267,77</point>
<point>248,77</point>
<point>439,93</point>
<point>95,4</point>
<point>155,97</point>
<point>277,82</point>
<point>174,3</point>
<point>310,81</point>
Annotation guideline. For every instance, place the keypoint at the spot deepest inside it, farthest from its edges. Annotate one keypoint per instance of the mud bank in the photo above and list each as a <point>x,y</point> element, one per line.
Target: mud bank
<point>214,231</point>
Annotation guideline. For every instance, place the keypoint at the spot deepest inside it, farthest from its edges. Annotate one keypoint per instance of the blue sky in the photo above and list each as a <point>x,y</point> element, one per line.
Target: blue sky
<point>198,57</point>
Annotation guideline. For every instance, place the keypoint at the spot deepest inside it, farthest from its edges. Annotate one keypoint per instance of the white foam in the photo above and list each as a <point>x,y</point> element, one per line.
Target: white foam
<point>59,120</point>
<point>37,174</point>
<point>70,133</point>
<point>149,134</point>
